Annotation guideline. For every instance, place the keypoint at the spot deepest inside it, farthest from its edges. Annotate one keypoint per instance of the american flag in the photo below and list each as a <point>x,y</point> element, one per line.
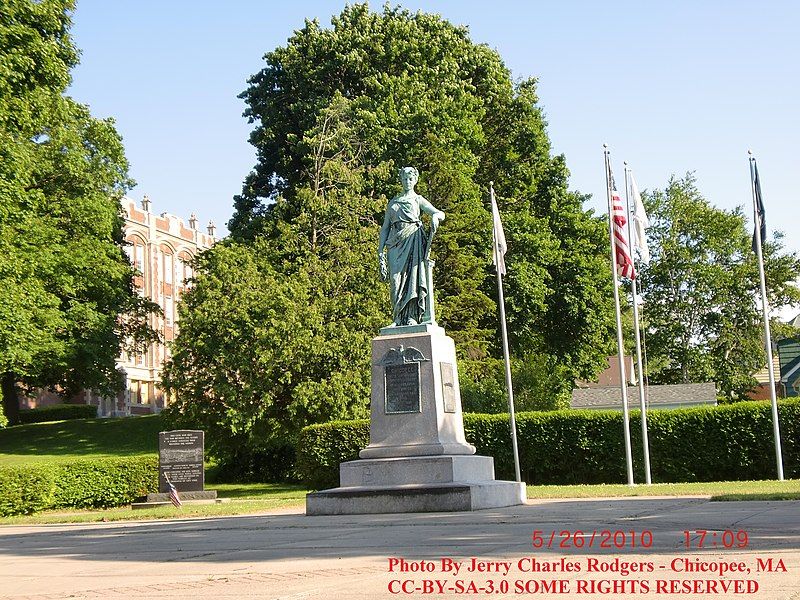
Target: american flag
<point>625,266</point>
<point>173,493</point>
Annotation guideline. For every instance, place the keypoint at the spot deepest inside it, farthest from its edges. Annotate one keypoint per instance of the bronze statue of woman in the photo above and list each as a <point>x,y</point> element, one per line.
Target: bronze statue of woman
<point>406,262</point>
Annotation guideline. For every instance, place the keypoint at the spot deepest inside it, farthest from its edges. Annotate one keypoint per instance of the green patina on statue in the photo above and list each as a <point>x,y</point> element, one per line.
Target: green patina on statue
<point>406,264</point>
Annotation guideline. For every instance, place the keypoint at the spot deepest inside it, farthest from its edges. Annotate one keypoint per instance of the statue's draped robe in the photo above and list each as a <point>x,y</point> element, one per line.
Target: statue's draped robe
<point>408,272</point>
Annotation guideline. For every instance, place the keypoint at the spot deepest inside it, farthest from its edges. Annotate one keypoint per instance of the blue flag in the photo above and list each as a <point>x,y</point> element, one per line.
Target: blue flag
<point>761,221</point>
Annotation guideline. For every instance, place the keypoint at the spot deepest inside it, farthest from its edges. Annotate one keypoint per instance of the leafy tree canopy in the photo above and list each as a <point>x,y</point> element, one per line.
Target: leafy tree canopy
<point>702,306</point>
<point>337,111</point>
<point>416,90</point>
<point>66,289</point>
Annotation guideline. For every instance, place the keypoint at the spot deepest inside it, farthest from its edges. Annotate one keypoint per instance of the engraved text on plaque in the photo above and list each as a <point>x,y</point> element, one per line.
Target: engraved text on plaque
<point>180,456</point>
<point>402,388</point>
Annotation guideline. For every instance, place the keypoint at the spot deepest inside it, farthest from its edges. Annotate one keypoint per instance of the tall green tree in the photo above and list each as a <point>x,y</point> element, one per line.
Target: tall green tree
<point>421,92</point>
<point>275,337</point>
<point>336,112</point>
<point>67,299</point>
<point>701,291</point>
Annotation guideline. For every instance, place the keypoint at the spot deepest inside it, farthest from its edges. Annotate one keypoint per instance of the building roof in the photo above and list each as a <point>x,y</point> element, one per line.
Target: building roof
<point>165,226</point>
<point>791,371</point>
<point>609,377</point>
<point>658,396</point>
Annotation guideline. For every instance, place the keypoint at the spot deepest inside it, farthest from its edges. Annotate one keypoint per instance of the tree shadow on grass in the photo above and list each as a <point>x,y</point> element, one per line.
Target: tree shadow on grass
<point>84,437</point>
<point>258,490</point>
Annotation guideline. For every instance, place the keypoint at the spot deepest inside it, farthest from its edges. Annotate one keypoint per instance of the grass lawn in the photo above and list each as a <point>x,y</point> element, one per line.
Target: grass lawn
<point>63,441</point>
<point>246,498</point>
<point>254,498</point>
<point>718,490</point>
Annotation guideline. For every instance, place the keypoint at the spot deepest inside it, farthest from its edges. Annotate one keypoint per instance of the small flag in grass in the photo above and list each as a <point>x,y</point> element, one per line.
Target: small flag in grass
<point>173,493</point>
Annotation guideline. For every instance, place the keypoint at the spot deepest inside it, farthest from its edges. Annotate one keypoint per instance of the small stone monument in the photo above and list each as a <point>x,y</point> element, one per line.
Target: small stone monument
<point>180,457</point>
<point>418,459</point>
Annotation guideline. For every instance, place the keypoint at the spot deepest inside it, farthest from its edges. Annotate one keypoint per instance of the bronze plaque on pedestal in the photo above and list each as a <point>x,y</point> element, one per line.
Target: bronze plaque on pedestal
<point>402,388</point>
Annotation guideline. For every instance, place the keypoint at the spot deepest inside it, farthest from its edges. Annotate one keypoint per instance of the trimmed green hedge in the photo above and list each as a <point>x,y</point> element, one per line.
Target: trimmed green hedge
<point>25,490</point>
<point>723,443</point>
<point>322,447</point>
<point>90,483</point>
<point>57,412</point>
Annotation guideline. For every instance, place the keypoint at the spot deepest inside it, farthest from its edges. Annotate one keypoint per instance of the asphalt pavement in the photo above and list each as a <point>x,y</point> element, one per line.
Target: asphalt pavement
<point>600,548</point>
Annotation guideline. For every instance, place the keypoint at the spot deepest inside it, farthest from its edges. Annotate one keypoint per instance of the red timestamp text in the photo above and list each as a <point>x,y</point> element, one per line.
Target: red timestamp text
<point>707,538</point>
<point>604,538</point>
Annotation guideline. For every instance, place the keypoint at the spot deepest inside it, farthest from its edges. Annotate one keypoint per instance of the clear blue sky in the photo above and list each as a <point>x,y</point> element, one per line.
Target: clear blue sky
<point>669,86</point>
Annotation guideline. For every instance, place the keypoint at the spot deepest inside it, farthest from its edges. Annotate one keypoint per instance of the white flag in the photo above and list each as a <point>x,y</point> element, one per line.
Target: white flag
<point>640,222</point>
<point>498,256</point>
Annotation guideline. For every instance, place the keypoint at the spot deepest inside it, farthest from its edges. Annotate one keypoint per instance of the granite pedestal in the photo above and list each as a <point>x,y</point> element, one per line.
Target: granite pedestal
<point>418,459</point>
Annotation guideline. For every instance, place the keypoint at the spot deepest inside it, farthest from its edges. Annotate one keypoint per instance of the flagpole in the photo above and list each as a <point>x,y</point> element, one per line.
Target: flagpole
<point>642,403</point>
<point>765,309</point>
<point>620,352</point>
<point>511,417</point>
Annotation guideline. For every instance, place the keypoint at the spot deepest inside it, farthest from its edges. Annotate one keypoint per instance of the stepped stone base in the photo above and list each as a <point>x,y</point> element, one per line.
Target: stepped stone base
<point>416,484</point>
<point>418,459</point>
<point>435,448</point>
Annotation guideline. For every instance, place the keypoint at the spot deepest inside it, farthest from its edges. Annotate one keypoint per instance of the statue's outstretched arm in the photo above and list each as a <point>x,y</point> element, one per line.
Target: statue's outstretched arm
<point>437,216</point>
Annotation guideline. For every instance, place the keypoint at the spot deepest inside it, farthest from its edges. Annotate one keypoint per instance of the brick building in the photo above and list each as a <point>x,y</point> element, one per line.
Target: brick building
<point>161,248</point>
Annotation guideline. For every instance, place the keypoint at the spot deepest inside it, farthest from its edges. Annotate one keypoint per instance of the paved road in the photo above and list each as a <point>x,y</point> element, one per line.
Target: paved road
<point>291,556</point>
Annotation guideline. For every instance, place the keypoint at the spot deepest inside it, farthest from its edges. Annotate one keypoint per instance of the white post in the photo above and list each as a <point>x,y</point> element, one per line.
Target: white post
<point>620,351</point>
<point>765,309</point>
<point>640,371</point>
<point>501,300</point>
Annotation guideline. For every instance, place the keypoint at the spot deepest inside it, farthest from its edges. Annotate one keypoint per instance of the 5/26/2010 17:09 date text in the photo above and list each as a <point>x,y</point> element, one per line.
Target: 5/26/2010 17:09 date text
<point>619,539</point>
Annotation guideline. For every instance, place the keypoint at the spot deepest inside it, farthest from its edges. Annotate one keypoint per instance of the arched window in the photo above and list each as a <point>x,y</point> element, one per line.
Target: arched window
<point>169,311</point>
<point>135,251</point>
<point>139,257</point>
<point>183,269</point>
<point>168,267</point>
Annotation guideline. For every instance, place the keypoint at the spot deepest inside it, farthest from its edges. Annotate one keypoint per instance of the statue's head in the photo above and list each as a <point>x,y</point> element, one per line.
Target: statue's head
<point>408,177</point>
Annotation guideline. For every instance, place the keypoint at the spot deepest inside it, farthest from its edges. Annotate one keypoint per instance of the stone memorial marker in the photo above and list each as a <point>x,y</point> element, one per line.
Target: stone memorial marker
<point>418,459</point>
<point>180,456</point>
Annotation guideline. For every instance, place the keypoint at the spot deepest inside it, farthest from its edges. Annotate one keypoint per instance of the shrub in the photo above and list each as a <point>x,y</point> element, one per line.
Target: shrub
<point>322,447</point>
<point>26,489</point>
<point>540,384</point>
<point>732,442</point>
<point>102,483</point>
<point>274,462</point>
<point>89,483</point>
<point>555,447</point>
<point>58,412</point>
